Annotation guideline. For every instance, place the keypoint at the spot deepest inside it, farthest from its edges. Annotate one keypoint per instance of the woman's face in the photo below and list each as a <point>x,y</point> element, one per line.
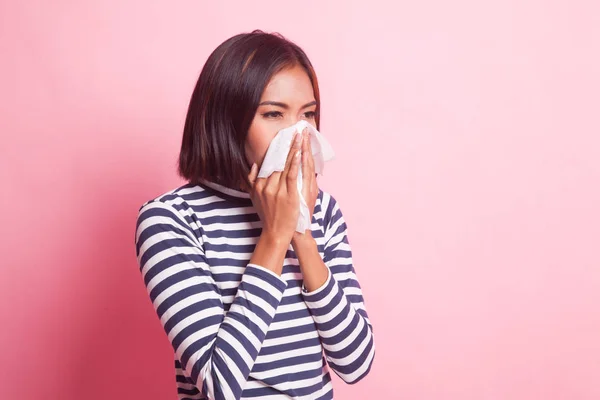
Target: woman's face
<point>287,99</point>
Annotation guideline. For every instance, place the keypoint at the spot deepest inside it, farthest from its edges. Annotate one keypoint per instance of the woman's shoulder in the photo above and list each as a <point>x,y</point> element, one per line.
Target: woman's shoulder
<point>175,196</point>
<point>192,202</point>
<point>174,202</point>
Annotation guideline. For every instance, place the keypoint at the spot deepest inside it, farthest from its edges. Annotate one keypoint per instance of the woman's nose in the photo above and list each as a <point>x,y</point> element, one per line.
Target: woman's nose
<point>286,123</point>
<point>295,120</point>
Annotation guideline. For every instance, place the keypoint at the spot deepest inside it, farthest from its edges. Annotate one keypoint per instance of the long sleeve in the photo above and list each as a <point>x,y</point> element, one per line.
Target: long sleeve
<point>217,349</point>
<point>338,307</point>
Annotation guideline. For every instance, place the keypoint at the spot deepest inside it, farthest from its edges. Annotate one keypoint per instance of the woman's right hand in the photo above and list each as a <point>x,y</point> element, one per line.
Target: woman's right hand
<point>276,197</point>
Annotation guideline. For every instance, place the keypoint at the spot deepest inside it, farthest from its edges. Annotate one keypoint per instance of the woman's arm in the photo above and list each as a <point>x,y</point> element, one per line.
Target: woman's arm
<point>337,304</point>
<point>216,349</point>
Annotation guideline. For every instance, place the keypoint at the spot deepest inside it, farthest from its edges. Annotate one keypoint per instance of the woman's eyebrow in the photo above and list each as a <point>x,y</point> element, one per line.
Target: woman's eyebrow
<point>285,106</point>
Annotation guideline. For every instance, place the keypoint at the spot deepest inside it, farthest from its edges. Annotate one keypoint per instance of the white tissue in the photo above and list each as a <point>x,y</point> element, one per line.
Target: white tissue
<point>277,155</point>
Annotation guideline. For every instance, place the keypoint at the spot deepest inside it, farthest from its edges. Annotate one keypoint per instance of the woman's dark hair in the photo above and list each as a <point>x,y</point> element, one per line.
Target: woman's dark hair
<point>225,101</point>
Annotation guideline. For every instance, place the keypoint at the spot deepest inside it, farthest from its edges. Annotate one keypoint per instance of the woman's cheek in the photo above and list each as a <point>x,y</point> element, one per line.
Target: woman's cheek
<point>254,153</point>
<point>251,154</point>
<point>261,155</point>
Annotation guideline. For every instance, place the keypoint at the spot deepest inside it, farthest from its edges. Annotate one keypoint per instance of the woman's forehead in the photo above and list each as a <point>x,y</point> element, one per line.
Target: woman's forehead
<point>291,84</point>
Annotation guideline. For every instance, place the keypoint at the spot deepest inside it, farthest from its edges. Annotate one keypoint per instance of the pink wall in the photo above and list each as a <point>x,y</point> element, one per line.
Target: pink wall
<point>468,168</point>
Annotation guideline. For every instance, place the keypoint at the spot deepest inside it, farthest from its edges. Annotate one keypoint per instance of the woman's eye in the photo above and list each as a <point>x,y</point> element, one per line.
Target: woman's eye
<point>310,114</point>
<point>272,114</point>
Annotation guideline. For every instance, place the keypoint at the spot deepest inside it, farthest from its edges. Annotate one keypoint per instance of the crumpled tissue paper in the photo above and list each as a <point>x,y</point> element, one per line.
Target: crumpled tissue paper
<point>278,151</point>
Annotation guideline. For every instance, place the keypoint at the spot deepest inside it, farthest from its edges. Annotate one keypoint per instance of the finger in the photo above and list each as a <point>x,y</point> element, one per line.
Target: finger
<point>294,148</point>
<point>311,162</point>
<point>252,175</point>
<point>306,155</point>
<point>292,174</point>
<point>273,179</point>
<point>311,159</point>
<point>296,145</point>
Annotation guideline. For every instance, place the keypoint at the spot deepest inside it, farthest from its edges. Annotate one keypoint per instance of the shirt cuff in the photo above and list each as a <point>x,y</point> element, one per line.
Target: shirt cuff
<point>268,274</point>
<point>314,293</point>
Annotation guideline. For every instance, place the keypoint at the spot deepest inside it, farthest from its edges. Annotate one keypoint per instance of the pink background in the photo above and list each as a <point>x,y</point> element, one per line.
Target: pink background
<point>468,169</point>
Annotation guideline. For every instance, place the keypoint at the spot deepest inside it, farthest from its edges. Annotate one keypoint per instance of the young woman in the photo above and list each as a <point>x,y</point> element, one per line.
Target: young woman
<point>252,308</point>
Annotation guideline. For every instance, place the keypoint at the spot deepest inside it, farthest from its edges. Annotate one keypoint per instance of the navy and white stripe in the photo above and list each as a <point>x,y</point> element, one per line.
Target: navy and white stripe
<point>238,330</point>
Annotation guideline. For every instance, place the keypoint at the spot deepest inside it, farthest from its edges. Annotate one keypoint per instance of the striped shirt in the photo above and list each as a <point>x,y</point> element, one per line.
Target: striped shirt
<point>238,330</point>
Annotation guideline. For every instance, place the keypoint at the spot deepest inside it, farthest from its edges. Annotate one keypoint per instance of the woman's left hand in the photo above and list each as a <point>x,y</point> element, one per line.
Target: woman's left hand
<point>310,189</point>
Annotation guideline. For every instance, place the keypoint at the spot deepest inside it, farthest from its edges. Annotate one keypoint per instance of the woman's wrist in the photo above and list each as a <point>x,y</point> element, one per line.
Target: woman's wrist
<point>314,271</point>
<point>270,252</point>
<point>303,239</point>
